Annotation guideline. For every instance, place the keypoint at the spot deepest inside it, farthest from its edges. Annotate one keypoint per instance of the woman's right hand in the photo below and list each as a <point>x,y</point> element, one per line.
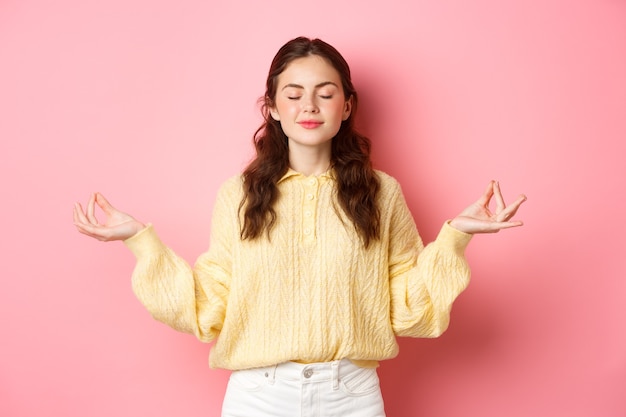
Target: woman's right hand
<point>117,226</point>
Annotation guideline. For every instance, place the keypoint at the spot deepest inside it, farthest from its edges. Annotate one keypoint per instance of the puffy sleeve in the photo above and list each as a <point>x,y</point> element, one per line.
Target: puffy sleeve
<point>424,281</point>
<point>188,299</point>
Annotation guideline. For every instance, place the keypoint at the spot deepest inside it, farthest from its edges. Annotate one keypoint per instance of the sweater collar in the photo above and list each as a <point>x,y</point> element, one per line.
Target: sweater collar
<point>330,174</point>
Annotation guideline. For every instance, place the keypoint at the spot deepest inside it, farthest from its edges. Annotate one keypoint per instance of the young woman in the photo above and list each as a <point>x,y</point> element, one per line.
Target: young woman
<point>315,264</point>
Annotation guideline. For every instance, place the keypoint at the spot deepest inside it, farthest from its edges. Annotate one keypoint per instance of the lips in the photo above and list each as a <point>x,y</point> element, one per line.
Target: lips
<point>310,124</point>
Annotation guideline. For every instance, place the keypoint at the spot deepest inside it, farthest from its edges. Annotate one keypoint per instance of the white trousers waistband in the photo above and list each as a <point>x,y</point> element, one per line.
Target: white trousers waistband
<point>310,373</point>
<point>330,389</point>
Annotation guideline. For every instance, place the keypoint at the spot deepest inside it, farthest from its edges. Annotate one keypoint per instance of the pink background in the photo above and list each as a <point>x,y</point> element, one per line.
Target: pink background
<point>153,103</point>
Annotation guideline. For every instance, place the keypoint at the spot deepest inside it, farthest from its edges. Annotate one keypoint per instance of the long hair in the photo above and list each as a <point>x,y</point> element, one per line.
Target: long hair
<point>357,183</point>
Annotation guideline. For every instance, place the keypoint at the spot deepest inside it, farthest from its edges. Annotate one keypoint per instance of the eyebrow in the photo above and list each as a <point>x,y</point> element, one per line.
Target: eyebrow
<point>325,83</point>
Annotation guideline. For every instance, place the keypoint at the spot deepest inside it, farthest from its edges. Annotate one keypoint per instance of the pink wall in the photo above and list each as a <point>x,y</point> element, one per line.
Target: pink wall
<point>154,103</point>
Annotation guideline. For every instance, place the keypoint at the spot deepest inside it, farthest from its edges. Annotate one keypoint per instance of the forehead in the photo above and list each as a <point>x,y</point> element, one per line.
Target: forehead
<point>309,70</point>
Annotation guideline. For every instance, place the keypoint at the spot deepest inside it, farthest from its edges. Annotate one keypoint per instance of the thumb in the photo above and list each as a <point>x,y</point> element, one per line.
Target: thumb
<point>104,204</point>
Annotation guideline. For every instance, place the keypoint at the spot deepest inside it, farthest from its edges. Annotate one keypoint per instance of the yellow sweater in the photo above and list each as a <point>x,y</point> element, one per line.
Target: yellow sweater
<point>311,293</point>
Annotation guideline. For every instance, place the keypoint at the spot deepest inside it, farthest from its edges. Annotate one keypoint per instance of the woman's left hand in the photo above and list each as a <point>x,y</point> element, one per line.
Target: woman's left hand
<point>478,218</point>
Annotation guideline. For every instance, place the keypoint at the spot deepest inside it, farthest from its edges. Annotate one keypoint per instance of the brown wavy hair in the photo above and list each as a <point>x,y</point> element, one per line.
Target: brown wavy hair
<point>357,183</point>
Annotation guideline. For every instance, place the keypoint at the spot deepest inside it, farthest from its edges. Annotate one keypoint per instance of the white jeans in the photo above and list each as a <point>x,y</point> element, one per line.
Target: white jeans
<point>331,389</point>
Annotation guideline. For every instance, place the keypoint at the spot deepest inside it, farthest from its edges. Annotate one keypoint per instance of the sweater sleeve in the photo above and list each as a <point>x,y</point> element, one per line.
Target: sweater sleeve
<point>424,281</point>
<point>188,299</point>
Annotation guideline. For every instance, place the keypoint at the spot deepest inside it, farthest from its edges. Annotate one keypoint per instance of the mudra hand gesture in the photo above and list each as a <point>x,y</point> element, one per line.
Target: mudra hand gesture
<point>117,225</point>
<point>478,218</point>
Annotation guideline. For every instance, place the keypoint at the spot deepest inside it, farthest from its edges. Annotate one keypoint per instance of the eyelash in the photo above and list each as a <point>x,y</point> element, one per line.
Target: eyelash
<point>324,97</point>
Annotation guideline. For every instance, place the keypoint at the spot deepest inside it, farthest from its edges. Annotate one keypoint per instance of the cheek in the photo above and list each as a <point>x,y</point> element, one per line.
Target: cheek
<point>286,107</point>
<point>339,109</point>
<point>284,102</point>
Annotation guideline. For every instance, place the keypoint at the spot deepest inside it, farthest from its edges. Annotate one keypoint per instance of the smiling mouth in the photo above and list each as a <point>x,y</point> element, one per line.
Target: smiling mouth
<point>310,124</point>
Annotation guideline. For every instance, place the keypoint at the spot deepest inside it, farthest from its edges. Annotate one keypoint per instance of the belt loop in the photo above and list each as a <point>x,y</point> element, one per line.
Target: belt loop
<point>334,366</point>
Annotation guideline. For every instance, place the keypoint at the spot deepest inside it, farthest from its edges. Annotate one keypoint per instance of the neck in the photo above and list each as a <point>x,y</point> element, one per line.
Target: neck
<point>310,169</point>
<point>309,161</point>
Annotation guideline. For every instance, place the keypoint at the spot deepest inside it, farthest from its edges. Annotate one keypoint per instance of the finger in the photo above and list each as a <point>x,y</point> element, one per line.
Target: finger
<point>500,205</point>
<point>91,231</point>
<point>497,226</point>
<point>486,197</point>
<point>95,231</point>
<point>511,210</point>
<point>91,210</point>
<point>79,214</point>
<point>104,204</point>
<point>74,213</point>
<point>521,199</point>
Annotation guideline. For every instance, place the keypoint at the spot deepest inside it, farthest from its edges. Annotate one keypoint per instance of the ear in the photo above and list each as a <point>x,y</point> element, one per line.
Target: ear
<point>347,110</point>
<point>274,114</point>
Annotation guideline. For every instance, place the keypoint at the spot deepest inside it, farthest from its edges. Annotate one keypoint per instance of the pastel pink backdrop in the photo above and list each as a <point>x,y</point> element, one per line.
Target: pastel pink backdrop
<point>153,103</point>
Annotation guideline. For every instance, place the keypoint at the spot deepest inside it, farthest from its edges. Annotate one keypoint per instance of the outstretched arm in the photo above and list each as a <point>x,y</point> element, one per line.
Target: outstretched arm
<point>426,286</point>
<point>187,300</point>
<point>117,225</point>
<point>478,217</point>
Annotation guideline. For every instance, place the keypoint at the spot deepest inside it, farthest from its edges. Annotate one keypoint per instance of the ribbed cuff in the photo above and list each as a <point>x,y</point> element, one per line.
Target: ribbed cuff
<point>449,236</point>
<point>145,242</point>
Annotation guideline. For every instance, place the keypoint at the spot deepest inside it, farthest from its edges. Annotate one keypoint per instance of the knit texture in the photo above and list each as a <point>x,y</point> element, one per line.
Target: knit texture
<point>311,292</point>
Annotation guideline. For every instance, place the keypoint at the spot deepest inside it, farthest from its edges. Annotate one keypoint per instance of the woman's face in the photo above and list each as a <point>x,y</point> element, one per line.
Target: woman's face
<point>310,103</point>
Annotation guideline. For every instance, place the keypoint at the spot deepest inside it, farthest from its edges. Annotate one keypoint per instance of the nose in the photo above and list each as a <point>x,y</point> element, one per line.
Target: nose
<point>309,104</point>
